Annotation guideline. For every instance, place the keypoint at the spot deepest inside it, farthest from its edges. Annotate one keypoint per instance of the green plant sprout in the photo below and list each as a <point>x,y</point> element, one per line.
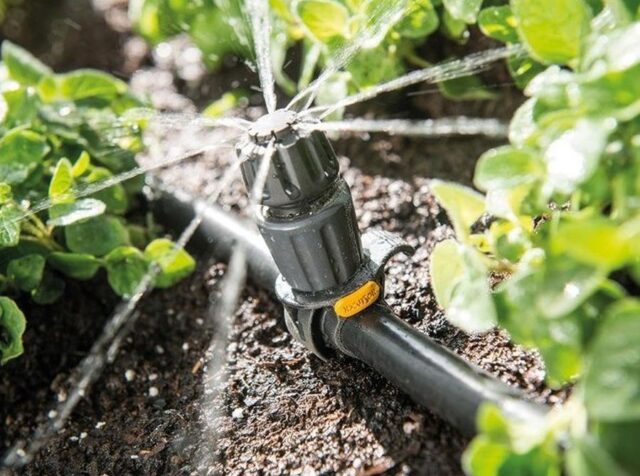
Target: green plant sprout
<point>563,201</point>
<point>60,133</point>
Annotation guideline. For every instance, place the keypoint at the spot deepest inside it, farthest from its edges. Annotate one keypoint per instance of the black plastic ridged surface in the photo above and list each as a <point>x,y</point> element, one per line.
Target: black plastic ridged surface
<point>302,169</point>
<point>319,251</point>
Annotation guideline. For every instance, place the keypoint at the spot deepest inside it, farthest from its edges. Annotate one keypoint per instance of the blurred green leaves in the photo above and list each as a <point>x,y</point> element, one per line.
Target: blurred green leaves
<point>61,135</point>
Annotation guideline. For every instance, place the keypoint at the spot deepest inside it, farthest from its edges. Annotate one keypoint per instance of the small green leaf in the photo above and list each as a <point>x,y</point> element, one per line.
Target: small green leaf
<point>26,272</point>
<point>573,157</point>
<point>565,284</point>
<point>126,267</point>
<point>484,457</point>
<point>65,214</point>
<point>62,180</point>
<point>96,236</point>
<point>523,127</point>
<point>9,225</point>
<point>224,104</point>
<point>523,69</point>
<point>87,83</point>
<point>419,21</point>
<point>506,167</point>
<point>174,263</point>
<point>21,151</point>
<point>324,19</point>
<point>465,10</point>
<point>471,307</point>
<point>454,28</point>
<point>595,241</point>
<point>499,23</point>
<point>446,269</point>
<point>463,205</point>
<point>81,165</point>
<point>114,197</point>
<point>49,290</point>
<point>611,382</point>
<point>6,195</point>
<point>22,66</point>
<point>552,30</point>
<point>75,265</point>
<point>12,326</point>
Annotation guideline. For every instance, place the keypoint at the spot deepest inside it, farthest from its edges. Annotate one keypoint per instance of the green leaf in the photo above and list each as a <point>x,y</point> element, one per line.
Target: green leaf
<point>88,83</point>
<point>552,30</point>
<point>324,19</point>
<point>81,165</point>
<point>21,151</point>
<point>564,285</point>
<point>612,379</point>
<point>446,269</point>
<point>471,306</point>
<point>523,70</point>
<point>454,28</point>
<point>6,195</point>
<point>65,214</point>
<point>75,265</point>
<point>463,205</point>
<point>49,290</point>
<point>22,66</point>
<point>484,457</point>
<point>96,236</point>
<point>493,423</point>
<point>62,180</point>
<point>12,326</point>
<point>9,225</point>
<point>224,104</point>
<point>126,267</point>
<point>506,167</point>
<point>499,23</point>
<point>419,21</point>
<point>596,241</point>
<point>26,272</point>
<point>523,128</point>
<point>114,197</point>
<point>174,263</point>
<point>574,156</point>
<point>465,10</point>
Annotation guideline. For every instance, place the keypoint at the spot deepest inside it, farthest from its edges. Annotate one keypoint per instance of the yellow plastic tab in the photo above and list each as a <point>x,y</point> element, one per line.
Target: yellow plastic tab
<point>358,300</point>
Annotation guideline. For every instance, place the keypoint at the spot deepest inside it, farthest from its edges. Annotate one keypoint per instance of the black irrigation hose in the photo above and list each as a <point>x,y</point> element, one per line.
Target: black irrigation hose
<point>432,375</point>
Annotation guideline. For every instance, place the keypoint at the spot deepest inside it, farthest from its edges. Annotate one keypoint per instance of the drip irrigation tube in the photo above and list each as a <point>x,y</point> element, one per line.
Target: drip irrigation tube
<point>431,374</point>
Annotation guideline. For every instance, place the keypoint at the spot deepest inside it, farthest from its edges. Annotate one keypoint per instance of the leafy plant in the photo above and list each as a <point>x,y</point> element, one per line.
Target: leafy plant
<point>563,240</point>
<point>388,31</point>
<point>60,135</point>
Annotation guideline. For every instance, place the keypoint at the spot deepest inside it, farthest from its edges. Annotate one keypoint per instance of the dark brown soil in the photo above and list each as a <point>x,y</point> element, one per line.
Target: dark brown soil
<point>279,409</point>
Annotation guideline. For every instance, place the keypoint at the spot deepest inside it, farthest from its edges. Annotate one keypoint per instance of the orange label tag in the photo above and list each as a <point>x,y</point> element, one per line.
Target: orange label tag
<point>360,299</point>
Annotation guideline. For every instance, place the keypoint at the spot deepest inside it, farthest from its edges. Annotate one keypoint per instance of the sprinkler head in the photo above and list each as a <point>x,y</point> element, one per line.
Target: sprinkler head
<point>303,166</point>
<point>274,126</point>
<point>308,221</point>
<point>307,216</point>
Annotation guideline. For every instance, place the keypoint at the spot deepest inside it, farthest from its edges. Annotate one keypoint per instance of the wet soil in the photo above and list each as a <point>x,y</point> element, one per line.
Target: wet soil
<point>277,409</point>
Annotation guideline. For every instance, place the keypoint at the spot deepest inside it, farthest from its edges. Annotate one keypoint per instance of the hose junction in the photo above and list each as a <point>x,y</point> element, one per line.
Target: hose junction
<point>329,277</point>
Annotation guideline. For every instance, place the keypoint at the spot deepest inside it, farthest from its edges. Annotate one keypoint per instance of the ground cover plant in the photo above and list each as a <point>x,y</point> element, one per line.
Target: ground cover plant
<point>562,240</point>
<point>546,243</point>
<point>61,135</point>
